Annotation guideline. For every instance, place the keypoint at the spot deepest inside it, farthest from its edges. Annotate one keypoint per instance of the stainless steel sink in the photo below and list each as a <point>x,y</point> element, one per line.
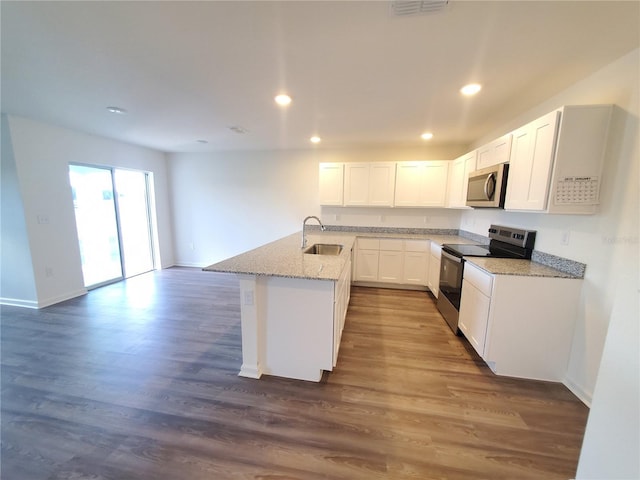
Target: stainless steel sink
<point>323,249</point>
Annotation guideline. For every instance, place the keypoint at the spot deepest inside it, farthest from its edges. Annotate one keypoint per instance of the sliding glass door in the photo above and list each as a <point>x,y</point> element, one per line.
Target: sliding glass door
<point>134,219</point>
<point>113,223</point>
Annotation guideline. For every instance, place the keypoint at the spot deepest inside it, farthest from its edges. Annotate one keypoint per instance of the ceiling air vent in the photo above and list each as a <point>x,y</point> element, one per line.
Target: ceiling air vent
<point>407,8</point>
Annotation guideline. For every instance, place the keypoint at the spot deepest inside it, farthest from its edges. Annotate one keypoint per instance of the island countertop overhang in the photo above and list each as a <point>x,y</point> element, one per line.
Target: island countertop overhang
<point>285,258</point>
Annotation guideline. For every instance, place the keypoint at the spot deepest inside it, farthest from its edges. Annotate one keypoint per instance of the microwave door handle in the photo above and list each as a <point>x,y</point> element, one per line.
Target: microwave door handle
<point>490,179</point>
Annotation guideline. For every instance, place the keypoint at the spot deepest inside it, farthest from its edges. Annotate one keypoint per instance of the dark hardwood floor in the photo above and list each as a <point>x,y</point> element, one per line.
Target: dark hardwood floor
<point>138,380</point>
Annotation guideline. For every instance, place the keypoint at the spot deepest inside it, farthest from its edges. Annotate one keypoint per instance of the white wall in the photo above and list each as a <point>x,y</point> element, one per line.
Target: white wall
<point>595,240</point>
<point>42,154</point>
<point>227,203</point>
<point>608,243</point>
<point>17,282</point>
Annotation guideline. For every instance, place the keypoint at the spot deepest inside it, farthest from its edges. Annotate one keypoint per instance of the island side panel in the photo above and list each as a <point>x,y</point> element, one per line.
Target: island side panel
<point>251,311</point>
<point>297,328</point>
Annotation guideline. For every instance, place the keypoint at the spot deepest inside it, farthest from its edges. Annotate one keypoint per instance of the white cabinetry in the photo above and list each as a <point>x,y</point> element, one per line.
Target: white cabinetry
<point>369,184</point>
<point>392,261</point>
<point>342,294</point>
<point>421,184</point>
<point>516,333</point>
<point>474,306</point>
<point>416,262</point>
<point>495,152</point>
<point>459,170</point>
<point>367,256</point>
<point>556,161</point>
<point>434,268</point>
<point>331,183</point>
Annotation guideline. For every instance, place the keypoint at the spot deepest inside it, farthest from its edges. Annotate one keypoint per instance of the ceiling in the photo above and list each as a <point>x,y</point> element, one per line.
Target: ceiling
<point>358,76</point>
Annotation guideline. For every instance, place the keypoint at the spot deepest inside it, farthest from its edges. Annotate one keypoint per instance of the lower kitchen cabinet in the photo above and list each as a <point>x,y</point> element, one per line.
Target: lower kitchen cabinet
<point>434,268</point>
<point>521,326</point>
<point>416,262</point>
<point>474,306</point>
<point>392,261</point>
<point>342,295</point>
<point>367,257</point>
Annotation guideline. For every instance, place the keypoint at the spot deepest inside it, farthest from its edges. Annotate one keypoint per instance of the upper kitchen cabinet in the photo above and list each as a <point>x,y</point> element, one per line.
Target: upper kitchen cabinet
<point>369,184</point>
<point>331,183</point>
<point>494,153</point>
<point>421,184</point>
<point>556,161</point>
<point>459,170</point>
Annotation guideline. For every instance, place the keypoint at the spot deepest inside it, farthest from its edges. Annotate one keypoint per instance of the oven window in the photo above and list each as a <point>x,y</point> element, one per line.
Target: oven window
<point>451,280</point>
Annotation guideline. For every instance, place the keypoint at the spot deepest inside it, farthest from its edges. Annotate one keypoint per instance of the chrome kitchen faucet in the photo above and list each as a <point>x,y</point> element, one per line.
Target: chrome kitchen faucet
<point>304,226</point>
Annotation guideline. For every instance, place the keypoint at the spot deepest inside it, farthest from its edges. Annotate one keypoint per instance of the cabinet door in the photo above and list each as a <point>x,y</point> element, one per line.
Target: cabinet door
<point>356,184</point>
<point>367,265</point>
<point>416,268</point>
<point>390,266</point>
<point>459,170</point>
<point>433,191</point>
<point>382,178</point>
<point>474,316</point>
<point>408,184</point>
<point>530,165</point>
<point>331,183</point>
<point>434,268</point>
<point>498,151</point>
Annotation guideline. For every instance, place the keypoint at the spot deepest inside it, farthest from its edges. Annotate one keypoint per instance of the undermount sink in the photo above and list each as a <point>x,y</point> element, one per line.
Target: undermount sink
<point>323,249</point>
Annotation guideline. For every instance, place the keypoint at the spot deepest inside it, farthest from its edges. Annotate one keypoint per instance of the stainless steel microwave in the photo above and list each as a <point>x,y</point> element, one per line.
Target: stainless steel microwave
<point>487,187</point>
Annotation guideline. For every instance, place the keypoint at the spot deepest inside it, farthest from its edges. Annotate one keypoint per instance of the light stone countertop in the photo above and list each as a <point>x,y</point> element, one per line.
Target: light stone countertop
<point>284,257</point>
<point>513,266</point>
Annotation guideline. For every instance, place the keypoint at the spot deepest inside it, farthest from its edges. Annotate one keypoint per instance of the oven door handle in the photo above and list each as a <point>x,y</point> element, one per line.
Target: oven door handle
<point>453,258</point>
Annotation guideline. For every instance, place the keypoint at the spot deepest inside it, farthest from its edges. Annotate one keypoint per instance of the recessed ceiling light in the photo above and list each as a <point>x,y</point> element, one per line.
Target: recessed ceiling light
<point>283,100</point>
<point>315,139</point>
<point>426,136</point>
<point>118,110</point>
<point>470,89</point>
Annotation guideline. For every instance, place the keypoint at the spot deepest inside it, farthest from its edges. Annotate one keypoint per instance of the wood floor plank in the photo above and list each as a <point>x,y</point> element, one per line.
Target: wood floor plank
<point>138,380</point>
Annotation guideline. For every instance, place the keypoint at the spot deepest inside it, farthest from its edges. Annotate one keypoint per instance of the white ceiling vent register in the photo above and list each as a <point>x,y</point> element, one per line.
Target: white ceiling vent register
<point>407,8</point>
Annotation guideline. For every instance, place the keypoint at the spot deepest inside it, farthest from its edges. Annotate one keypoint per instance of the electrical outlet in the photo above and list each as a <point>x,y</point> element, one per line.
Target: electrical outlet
<point>248,297</point>
<point>564,239</point>
<point>48,272</point>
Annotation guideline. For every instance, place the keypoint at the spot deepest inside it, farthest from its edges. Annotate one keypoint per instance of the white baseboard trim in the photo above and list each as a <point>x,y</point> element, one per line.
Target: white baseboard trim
<point>16,302</point>
<point>36,304</point>
<point>584,396</point>
<point>188,264</point>
<point>61,298</point>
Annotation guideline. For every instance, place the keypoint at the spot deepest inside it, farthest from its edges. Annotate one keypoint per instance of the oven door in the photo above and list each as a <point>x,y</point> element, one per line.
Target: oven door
<point>450,289</point>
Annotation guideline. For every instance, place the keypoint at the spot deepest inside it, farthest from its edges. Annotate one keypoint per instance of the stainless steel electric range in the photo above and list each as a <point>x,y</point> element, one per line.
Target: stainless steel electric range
<point>506,242</point>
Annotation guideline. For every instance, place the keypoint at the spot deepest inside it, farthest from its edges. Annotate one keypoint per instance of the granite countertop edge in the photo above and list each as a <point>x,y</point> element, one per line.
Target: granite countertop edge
<point>284,257</point>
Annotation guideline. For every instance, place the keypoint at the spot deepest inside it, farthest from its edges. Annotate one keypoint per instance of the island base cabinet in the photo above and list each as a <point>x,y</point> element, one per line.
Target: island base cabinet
<point>288,326</point>
<point>530,326</point>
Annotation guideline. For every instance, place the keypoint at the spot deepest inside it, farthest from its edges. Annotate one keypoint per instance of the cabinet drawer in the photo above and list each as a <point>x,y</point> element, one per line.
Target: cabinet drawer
<point>369,243</point>
<point>391,244</point>
<point>416,245</point>
<point>436,250</point>
<point>479,279</point>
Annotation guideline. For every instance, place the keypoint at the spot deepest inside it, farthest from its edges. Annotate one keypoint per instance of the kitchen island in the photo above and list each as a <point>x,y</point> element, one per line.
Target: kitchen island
<point>293,305</point>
